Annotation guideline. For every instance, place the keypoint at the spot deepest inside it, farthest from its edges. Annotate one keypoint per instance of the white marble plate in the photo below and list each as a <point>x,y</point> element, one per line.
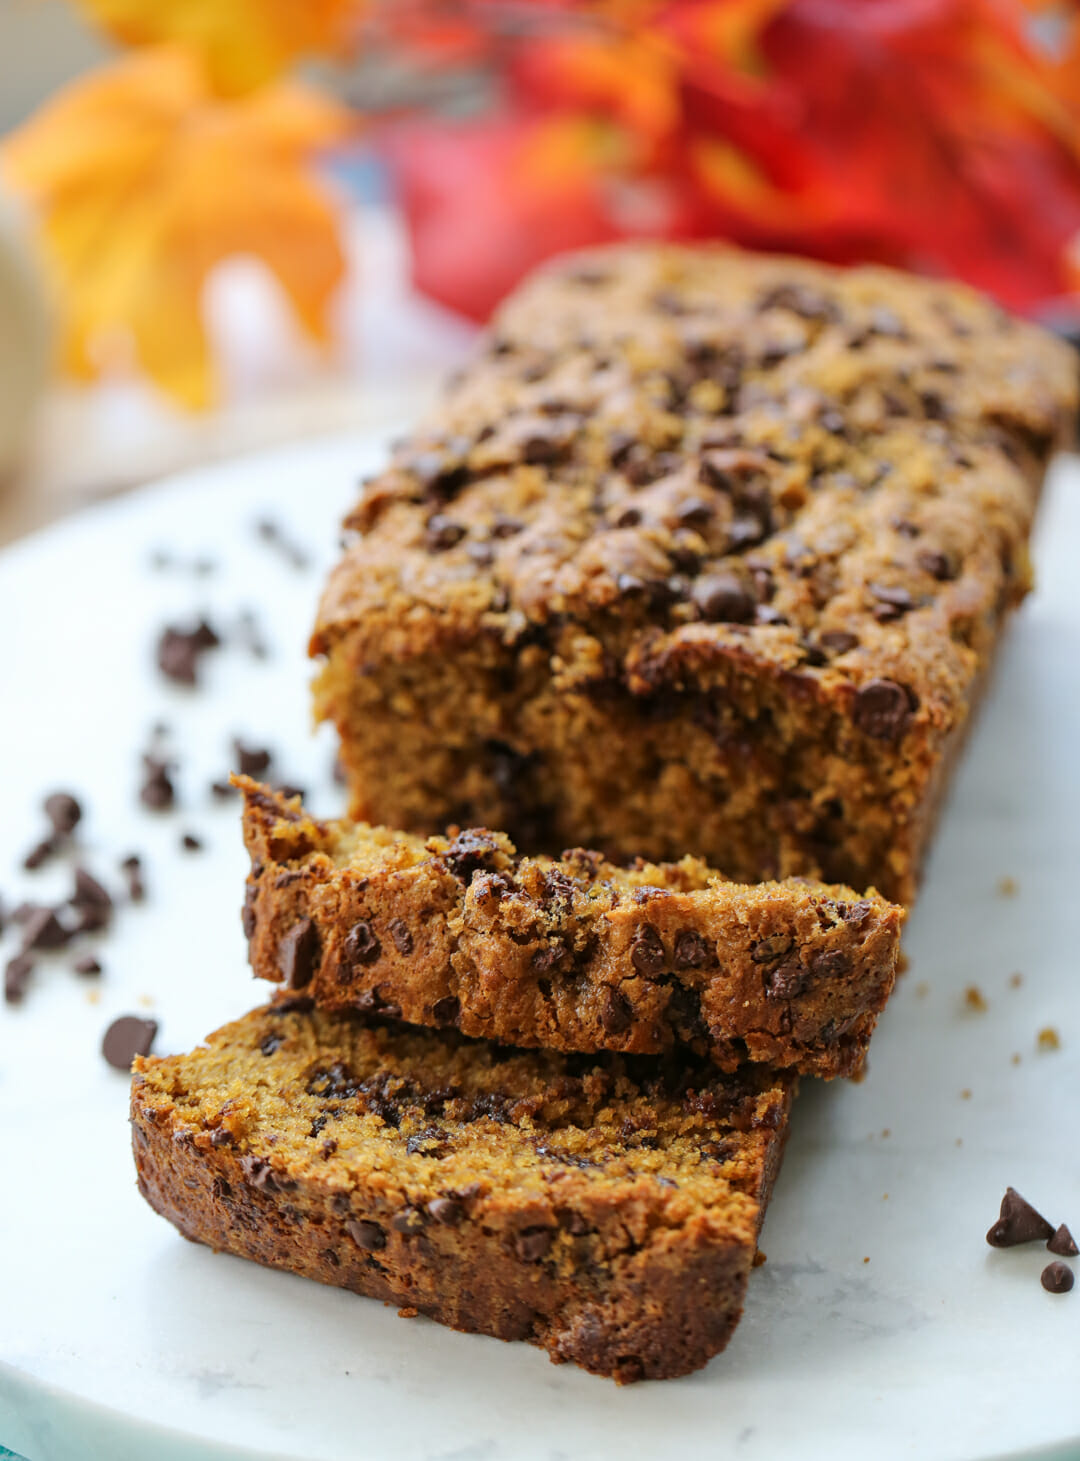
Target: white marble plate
<point>881,1326</point>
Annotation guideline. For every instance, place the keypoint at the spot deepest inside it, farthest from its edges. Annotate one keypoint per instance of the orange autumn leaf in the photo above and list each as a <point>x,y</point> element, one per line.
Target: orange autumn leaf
<point>244,43</point>
<point>142,181</point>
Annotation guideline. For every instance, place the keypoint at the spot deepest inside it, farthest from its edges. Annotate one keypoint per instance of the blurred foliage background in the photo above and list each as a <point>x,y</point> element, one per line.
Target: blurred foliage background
<point>941,135</point>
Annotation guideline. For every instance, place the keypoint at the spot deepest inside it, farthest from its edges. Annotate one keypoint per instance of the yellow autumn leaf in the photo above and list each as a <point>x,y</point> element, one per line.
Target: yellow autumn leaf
<point>143,180</point>
<point>244,43</point>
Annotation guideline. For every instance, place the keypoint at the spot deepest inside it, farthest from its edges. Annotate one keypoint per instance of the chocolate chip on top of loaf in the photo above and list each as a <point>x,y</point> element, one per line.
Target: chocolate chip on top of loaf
<point>707,552</point>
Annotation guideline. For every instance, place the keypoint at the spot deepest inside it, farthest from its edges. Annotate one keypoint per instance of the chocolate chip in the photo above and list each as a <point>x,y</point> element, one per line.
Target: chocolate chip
<point>1057,1278</point>
<point>298,954</point>
<point>408,1221</point>
<point>882,709</point>
<point>63,811</point>
<point>366,1234</point>
<point>43,930</point>
<point>534,1244</point>
<point>127,1037</point>
<point>768,950</point>
<point>1063,1243</point>
<point>647,951</point>
<point>190,843</point>
<point>251,760</point>
<point>801,300</point>
<point>616,1013</point>
<point>787,981</point>
<point>180,650</point>
<point>157,791</point>
<point>259,1173</point>
<point>399,932</point>
<point>691,951</point>
<point>724,599</point>
<point>87,966</point>
<point>446,1010</point>
<point>248,917</point>
<point>937,564</point>
<point>891,601</point>
<point>829,963</point>
<point>470,852</point>
<point>448,1211</point>
<point>838,641</point>
<point>222,791</point>
<point>442,533</point>
<point>269,1043</point>
<point>360,945</point>
<point>16,977</point>
<point>91,900</point>
<point>1018,1222</point>
<point>131,867</point>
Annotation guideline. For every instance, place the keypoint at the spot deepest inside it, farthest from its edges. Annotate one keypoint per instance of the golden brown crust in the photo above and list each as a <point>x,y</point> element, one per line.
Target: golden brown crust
<point>707,552</point>
<point>573,954</point>
<point>605,1210</point>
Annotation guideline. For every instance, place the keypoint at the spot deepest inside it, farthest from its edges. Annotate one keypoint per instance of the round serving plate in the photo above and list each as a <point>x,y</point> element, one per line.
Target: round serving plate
<point>881,1325</point>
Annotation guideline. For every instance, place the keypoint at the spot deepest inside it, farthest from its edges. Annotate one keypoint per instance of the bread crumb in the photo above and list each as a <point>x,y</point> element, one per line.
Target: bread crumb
<point>1008,887</point>
<point>146,1000</point>
<point>759,1259</point>
<point>866,1260</point>
<point>903,963</point>
<point>1016,1057</point>
<point>1049,1039</point>
<point>92,996</point>
<point>408,1312</point>
<point>922,989</point>
<point>1015,981</point>
<point>965,1094</point>
<point>959,1141</point>
<point>974,999</point>
<point>886,1131</point>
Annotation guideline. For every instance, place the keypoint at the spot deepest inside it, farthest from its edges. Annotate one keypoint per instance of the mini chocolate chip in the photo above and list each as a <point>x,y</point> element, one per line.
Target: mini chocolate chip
<point>298,954</point>
<point>691,951</point>
<point>43,930</point>
<point>534,1244</point>
<point>891,601</point>
<point>190,843</point>
<point>446,1010</point>
<point>248,916</point>
<point>768,950</point>
<point>63,811</point>
<point>87,965</point>
<point>16,977</point>
<point>442,532</point>
<point>785,982</point>
<point>127,1037</point>
<point>258,1172</point>
<point>92,902</point>
<point>251,760</point>
<point>408,1221</point>
<point>616,1013</point>
<point>361,946</point>
<point>882,709</point>
<point>399,932</point>
<point>829,963</point>
<point>937,564</point>
<point>1018,1222</point>
<point>647,951</point>
<point>1057,1278</point>
<point>157,791</point>
<point>1063,1243</point>
<point>180,650</point>
<point>448,1211</point>
<point>838,641</point>
<point>366,1234</point>
<point>131,867</point>
<point>546,957</point>
<point>723,599</point>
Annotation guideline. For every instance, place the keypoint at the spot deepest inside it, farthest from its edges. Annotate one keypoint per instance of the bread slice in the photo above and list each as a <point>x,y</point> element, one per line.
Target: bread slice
<point>575,954</point>
<point>606,1208</point>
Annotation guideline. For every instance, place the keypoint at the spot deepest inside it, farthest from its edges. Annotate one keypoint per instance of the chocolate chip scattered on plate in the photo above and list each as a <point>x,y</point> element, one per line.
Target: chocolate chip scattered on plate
<point>1057,1278</point>
<point>1018,1222</point>
<point>126,1037</point>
